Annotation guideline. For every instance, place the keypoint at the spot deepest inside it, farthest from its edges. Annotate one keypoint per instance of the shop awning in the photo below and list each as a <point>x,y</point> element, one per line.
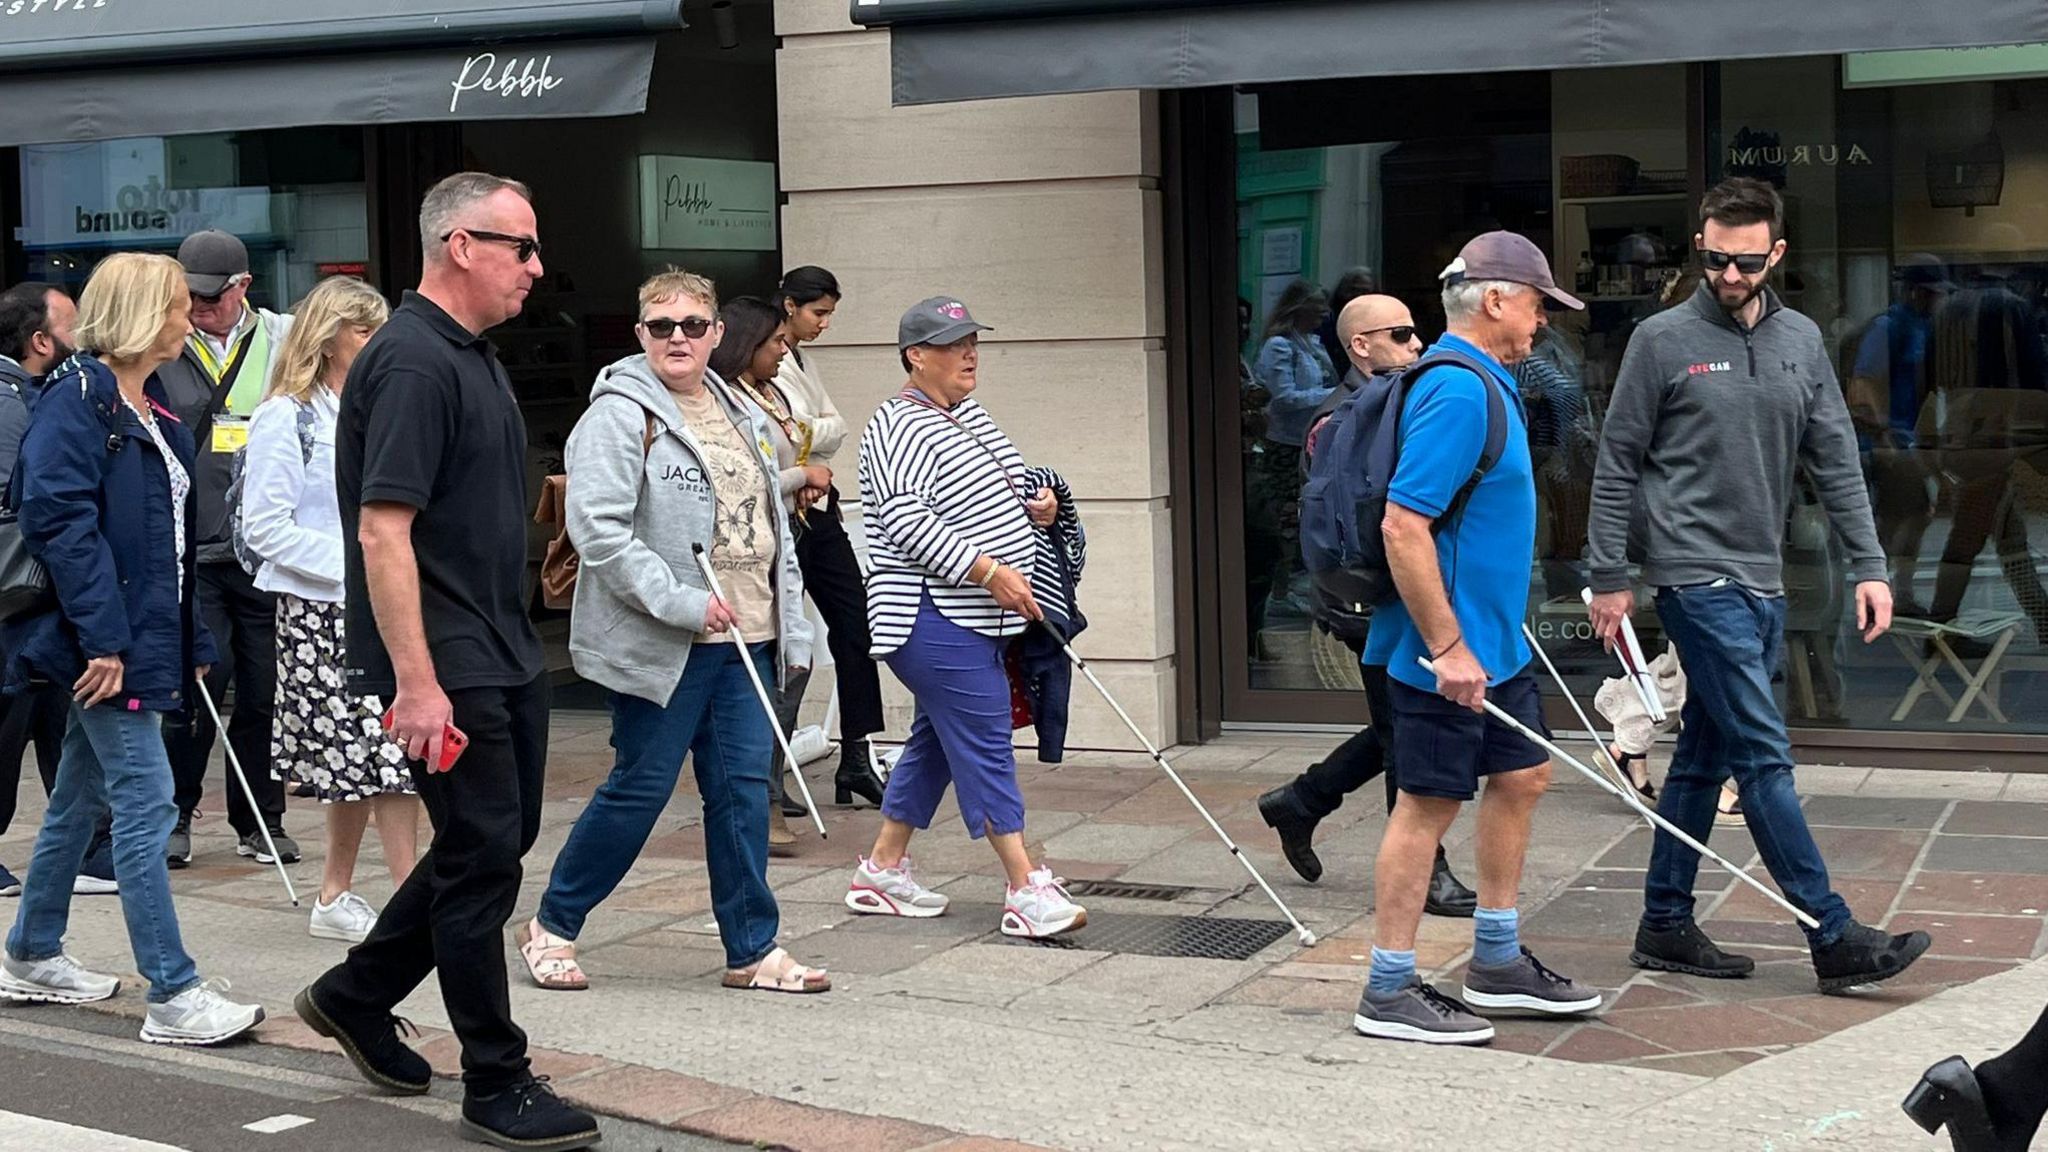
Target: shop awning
<point>973,49</point>
<point>99,69</point>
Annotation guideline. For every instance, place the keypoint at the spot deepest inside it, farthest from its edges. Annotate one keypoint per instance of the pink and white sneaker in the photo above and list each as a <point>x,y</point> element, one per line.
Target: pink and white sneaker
<point>893,892</point>
<point>1041,908</point>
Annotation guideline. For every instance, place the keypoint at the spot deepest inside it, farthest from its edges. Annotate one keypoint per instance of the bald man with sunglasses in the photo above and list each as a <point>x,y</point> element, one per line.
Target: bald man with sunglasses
<point>1379,335</point>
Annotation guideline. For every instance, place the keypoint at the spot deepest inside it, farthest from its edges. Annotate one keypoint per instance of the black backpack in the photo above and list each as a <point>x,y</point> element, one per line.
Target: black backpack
<point>1352,457</point>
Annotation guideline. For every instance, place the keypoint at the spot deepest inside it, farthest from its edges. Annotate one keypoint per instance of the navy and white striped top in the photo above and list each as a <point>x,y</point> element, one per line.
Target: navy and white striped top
<point>936,493</point>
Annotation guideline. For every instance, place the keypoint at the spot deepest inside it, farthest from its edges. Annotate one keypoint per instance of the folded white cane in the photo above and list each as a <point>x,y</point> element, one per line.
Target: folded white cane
<point>1306,937</point>
<point>761,694</point>
<point>1634,666</point>
<point>1628,797</point>
<point>235,763</point>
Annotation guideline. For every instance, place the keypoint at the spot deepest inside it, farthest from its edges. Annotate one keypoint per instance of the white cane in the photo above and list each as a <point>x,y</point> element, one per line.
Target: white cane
<point>235,763</point>
<point>1628,797</point>
<point>1301,933</point>
<point>761,694</point>
<point>1634,665</point>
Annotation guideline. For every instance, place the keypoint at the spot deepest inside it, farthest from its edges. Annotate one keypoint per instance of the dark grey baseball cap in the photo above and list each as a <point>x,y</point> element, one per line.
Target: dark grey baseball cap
<point>937,320</point>
<point>1507,256</point>
<point>211,259</point>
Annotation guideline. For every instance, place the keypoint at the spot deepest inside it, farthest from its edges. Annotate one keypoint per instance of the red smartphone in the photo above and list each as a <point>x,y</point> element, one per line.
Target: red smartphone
<point>453,743</point>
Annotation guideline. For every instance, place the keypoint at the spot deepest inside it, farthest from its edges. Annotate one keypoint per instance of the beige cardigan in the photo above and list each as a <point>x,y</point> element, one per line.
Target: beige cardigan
<point>811,405</point>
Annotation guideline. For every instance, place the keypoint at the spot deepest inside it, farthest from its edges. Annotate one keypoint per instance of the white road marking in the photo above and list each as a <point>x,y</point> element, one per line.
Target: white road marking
<point>283,1122</point>
<point>18,1131</point>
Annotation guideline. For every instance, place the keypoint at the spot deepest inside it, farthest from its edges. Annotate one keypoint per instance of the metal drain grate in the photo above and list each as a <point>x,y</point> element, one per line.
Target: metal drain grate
<point>1122,891</point>
<point>1193,937</point>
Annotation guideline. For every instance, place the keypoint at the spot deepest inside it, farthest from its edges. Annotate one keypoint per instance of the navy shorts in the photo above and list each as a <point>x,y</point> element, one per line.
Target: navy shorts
<point>1442,749</point>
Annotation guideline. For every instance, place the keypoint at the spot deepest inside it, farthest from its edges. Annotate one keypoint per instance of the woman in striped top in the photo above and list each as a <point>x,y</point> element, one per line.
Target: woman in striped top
<point>955,527</point>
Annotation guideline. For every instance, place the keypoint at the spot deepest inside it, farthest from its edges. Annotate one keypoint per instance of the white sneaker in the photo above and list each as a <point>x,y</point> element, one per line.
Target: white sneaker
<point>893,892</point>
<point>349,918</point>
<point>86,885</point>
<point>199,1015</point>
<point>57,980</point>
<point>1041,908</point>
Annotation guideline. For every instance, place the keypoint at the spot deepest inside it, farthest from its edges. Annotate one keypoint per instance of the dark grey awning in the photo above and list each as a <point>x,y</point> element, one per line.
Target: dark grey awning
<point>76,34</point>
<point>98,69</point>
<point>972,49</point>
<point>534,80</point>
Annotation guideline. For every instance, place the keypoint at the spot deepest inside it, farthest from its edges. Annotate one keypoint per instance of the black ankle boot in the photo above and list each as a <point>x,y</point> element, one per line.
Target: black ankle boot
<point>856,776</point>
<point>1447,896</point>
<point>1282,812</point>
<point>1948,1095</point>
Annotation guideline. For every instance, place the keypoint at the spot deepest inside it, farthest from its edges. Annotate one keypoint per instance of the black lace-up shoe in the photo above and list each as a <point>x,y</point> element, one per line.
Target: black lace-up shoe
<point>528,1117</point>
<point>374,1044</point>
<point>1864,955</point>
<point>1686,949</point>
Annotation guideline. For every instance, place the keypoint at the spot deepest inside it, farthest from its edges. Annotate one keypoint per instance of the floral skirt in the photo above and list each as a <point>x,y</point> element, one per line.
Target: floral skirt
<point>322,735</point>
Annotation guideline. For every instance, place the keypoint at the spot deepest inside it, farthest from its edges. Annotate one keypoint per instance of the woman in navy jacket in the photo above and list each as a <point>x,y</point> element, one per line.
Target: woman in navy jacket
<point>106,504</point>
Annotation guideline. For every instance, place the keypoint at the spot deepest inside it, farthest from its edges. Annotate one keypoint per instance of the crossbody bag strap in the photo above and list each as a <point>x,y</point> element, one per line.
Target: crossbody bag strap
<point>913,396</point>
<point>221,389</point>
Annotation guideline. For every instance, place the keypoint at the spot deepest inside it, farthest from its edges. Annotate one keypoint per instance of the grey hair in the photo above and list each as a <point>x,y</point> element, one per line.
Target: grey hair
<point>452,196</point>
<point>1463,298</point>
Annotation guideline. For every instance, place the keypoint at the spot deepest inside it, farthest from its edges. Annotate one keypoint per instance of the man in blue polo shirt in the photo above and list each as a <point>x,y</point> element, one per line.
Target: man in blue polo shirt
<point>1464,585</point>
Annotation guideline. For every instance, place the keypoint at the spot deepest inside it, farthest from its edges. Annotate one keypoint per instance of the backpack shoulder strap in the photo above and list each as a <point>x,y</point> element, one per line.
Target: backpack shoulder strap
<point>1496,407</point>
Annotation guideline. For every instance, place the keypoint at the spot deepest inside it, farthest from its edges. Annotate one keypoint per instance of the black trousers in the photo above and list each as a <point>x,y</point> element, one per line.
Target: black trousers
<point>449,916</point>
<point>37,715</point>
<point>1321,790</point>
<point>243,621</point>
<point>832,577</point>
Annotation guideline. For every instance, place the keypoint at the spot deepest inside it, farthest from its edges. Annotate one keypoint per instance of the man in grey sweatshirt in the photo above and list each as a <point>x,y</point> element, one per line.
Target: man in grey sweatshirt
<point>1718,399</point>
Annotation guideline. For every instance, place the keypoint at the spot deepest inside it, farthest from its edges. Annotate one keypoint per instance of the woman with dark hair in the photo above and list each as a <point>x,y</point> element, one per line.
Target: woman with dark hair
<point>747,358</point>
<point>1293,366</point>
<point>807,298</point>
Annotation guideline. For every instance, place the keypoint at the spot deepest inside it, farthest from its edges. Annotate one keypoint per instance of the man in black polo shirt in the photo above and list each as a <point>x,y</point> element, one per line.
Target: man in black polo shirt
<point>430,458</point>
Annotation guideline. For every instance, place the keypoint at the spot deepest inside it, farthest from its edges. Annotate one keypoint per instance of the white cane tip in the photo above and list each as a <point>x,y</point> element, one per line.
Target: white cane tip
<point>1308,938</point>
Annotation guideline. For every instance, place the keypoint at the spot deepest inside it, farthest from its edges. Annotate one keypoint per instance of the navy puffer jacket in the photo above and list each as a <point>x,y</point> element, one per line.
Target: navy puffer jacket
<point>95,500</point>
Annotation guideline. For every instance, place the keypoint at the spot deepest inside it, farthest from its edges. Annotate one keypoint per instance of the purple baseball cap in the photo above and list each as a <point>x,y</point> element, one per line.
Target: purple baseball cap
<point>1507,256</point>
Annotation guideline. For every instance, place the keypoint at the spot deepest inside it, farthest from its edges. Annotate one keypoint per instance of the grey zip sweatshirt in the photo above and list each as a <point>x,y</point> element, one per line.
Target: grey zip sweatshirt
<point>1704,429</point>
<point>635,508</point>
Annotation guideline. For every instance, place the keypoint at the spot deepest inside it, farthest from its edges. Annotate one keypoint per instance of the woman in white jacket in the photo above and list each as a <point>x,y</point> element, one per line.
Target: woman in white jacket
<point>290,532</point>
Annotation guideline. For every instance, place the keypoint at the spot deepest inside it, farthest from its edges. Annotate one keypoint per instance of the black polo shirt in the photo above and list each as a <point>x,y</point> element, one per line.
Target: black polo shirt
<point>428,420</point>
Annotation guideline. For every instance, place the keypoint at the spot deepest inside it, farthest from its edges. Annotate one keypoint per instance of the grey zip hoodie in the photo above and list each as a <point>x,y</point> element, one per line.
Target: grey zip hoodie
<point>1706,423</point>
<point>634,516</point>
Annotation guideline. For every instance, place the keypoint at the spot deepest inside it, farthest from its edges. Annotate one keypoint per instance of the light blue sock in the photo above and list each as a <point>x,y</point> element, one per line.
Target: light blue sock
<point>1495,936</point>
<point>1391,971</point>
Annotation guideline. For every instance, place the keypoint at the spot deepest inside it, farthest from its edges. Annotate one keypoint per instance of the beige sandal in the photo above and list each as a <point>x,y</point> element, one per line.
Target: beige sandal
<point>551,960</point>
<point>779,972</point>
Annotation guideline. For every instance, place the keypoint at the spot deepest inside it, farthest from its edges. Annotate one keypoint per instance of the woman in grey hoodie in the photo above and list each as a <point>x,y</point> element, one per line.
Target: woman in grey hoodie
<point>665,461</point>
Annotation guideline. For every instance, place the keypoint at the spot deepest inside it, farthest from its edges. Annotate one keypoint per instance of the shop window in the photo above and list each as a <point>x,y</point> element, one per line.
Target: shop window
<point>294,196</point>
<point>1917,219</point>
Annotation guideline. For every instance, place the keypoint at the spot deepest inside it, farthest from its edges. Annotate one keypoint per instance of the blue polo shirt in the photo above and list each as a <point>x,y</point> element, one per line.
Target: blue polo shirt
<point>1484,554</point>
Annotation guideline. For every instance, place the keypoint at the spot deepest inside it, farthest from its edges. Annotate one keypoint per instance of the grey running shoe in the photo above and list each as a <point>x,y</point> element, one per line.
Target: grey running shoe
<point>178,852</point>
<point>253,845</point>
<point>56,980</point>
<point>199,1015</point>
<point>1420,1013</point>
<point>1526,985</point>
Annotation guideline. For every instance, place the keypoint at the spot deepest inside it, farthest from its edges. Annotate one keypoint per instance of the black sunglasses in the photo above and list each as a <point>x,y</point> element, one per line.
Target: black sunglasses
<point>693,327</point>
<point>526,247</point>
<point>1747,263</point>
<point>1402,333</point>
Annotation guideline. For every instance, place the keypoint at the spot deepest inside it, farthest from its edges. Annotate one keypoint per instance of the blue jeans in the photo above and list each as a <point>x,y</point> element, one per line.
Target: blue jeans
<point>111,758</point>
<point>713,715</point>
<point>1729,640</point>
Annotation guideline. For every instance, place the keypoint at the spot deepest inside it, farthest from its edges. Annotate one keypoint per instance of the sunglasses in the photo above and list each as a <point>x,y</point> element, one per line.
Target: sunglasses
<point>526,247</point>
<point>1747,263</point>
<point>214,298</point>
<point>694,327</point>
<point>1401,333</point>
